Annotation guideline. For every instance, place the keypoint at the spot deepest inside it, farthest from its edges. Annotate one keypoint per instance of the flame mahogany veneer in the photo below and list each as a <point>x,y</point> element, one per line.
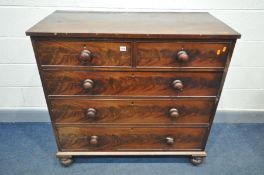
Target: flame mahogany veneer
<point>132,83</point>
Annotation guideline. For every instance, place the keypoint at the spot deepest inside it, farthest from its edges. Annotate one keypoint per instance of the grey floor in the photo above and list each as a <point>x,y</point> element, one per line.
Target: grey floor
<point>29,148</point>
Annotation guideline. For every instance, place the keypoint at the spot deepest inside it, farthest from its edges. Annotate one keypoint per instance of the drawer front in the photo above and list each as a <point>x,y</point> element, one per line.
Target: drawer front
<point>74,138</point>
<point>132,83</point>
<point>182,54</point>
<point>109,111</point>
<point>84,53</point>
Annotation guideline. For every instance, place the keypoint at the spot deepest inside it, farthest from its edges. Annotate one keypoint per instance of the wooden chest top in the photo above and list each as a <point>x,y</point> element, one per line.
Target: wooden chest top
<point>133,25</point>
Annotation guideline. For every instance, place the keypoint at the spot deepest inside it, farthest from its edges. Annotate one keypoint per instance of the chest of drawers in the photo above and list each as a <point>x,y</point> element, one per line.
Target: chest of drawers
<point>132,83</point>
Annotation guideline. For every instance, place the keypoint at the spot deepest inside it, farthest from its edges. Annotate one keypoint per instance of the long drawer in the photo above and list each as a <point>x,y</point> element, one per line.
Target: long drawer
<point>181,54</point>
<point>132,83</point>
<point>87,138</point>
<point>83,53</point>
<point>132,111</point>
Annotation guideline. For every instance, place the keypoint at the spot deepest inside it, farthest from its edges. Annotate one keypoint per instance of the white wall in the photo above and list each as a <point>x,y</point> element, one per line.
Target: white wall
<point>20,86</point>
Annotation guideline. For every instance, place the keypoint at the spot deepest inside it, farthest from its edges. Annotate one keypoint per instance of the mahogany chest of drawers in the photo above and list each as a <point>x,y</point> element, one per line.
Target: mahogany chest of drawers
<point>132,83</point>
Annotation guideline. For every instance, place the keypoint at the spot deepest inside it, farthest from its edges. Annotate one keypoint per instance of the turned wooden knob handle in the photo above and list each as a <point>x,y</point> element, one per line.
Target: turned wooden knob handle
<point>90,113</point>
<point>169,140</point>
<point>183,56</point>
<point>174,113</point>
<point>94,140</point>
<point>85,56</point>
<point>177,84</point>
<point>88,84</point>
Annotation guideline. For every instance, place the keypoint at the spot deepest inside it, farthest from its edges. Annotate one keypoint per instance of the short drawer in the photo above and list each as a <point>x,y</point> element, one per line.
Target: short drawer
<point>87,138</point>
<point>83,53</point>
<point>181,54</point>
<point>132,83</point>
<point>132,111</point>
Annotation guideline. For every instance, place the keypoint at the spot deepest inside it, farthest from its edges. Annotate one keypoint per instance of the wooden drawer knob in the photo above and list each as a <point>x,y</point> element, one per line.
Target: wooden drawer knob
<point>88,84</point>
<point>174,113</point>
<point>177,84</point>
<point>183,56</point>
<point>91,113</point>
<point>169,140</point>
<point>85,56</point>
<point>94,140</point>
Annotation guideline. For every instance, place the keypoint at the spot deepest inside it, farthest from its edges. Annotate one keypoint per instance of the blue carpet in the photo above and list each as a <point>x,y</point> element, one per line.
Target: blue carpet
<point>29,148</point>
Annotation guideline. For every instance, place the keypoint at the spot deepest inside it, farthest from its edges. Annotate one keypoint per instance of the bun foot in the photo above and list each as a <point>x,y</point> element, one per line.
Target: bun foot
<point>66,161</point>
<point>196,160</point>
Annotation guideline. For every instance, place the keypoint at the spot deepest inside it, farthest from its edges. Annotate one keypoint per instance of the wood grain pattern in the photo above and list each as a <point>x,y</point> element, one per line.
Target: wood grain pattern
<point>65,52</point>
<point>74,138</point>
<point>128,98</point>
<point>132,83</point>
<point>132,25</point>
<point>137,111</point>
<point>164,54</point>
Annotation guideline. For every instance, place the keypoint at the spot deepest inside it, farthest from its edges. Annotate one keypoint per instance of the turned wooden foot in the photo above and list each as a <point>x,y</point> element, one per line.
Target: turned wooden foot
<point>66,160</point>
<point>196,160</point>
